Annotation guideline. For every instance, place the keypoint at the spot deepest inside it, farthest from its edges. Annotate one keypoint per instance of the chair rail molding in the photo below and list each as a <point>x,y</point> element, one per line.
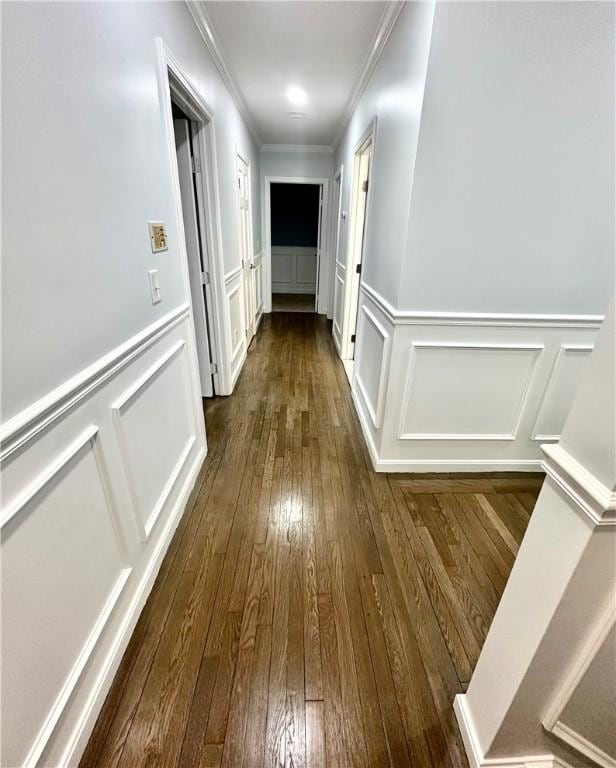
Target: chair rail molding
<point>18,431</point>
<point>521,320</point>
<point>589,494</point>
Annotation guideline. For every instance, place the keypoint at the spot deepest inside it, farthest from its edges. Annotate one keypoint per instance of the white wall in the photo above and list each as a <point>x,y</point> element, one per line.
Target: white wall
<point>488,257</point>
<point>102,423</point>
<point>308,163</point>
<point>393,96</point>
<point>513,196</point>
<point>78,194</point>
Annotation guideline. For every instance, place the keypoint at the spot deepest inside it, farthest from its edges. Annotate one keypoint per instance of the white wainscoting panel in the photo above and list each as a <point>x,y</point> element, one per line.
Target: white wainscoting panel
<point>159,400</point>
<point>259,287</point>
<point>60,540</point>
<point>372,363</point>
<point>460,391</point>
<point>237,326</point>
<point>337,320</point>
<point>77,562</point>
<point>294,269</point>
<point>569,367</point>
<point>583,712</point>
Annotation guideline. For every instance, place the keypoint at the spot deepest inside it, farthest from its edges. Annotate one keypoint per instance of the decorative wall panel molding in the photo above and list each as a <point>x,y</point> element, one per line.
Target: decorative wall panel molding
<point>294,270</point>
<point>466,391</point>
<point>589,494</point>
<point>372,363</point>
<point>77,565</point>
<point>69,502</point>
<point>140,461</point>
<point>569,367</point>
<point>498,319</point>
<point>337,320</point>
<point>585,692</point>
<point>237,326</point>
<point>259,287</point>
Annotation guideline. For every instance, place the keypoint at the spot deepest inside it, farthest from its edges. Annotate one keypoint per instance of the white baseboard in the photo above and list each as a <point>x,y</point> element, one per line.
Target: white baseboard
<point>87,719</point>
<point>458,465</point>
<point>474,753</point>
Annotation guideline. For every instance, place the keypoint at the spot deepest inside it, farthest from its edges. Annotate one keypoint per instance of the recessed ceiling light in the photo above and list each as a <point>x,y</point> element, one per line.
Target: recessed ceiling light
<point>296,115</point>
<point>297,96</point>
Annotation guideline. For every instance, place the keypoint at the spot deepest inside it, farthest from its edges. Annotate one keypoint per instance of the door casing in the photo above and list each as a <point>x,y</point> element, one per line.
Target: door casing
<point>322,246</point>
<point>363,159</point>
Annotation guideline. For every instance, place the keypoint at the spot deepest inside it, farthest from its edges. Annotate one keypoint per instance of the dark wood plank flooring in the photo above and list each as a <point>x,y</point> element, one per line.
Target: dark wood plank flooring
<point>310,612</point>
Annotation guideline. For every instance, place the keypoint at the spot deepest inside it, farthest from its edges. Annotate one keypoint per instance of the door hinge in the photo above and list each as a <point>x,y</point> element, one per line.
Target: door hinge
<point>213,367</point>
<point>364,186</point>
<point>352,338</point>
<point>205,278</point>
<point>358,269</point>
<point>196,164</point>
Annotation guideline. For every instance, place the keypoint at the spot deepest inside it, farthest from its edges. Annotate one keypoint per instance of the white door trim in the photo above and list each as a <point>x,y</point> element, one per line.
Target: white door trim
<point>354,254</point>
<point>269,180</point>
<point>336,215</point>
<point>173,81</point>
<point>248,267</point>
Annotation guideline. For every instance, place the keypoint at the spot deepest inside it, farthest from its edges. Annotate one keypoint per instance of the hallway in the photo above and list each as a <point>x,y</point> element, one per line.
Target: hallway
<point>310,611</point>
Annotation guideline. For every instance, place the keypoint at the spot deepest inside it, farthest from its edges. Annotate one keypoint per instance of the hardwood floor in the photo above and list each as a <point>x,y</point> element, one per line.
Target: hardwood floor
<point>310,612</point>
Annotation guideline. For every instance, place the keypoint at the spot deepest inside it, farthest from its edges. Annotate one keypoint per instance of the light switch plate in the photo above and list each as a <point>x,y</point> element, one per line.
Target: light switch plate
<point>154,286</point>
<point>158,236</point>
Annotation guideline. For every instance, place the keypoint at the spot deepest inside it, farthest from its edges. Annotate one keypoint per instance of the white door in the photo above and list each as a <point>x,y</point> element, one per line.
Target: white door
<point>245,231</point>
<point>357,234</point>
<point>190,214</point>
<point>319,238</point>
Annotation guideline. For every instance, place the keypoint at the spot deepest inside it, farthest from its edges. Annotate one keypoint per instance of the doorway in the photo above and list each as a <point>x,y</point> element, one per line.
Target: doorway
<point>362,171</point>
<point>191,148</point>
<point>295,231</point>
<point>189,165</point>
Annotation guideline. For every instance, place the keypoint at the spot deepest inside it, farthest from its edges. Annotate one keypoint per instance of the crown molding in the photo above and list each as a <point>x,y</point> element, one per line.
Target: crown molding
<point>320,148</point>
<point>386,24</point>
<point>204,25</point>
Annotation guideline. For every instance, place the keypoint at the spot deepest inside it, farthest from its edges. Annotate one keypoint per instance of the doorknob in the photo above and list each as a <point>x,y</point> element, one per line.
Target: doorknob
<point>252,266</point>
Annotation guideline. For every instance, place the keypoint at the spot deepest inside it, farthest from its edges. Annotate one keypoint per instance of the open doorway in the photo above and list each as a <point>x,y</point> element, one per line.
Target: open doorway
<point>189,132</point>
<point>362,170</point>
<point>193,213</point>
<point>295,212</point>
<point>294,229</point>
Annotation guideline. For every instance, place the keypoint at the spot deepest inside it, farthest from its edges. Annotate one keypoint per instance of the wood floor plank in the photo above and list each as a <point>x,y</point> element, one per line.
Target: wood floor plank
<point>310,612</point>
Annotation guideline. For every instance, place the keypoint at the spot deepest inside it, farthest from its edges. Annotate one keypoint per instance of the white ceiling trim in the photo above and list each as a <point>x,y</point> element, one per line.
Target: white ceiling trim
<point>322,148</point>
<point>386,24</point>
<point>204,25</point>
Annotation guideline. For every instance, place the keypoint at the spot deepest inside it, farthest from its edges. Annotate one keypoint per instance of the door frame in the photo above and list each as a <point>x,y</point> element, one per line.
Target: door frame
<point>250,312</point>
<point>336,229</point>
<point>174,83</point>
<point>313,180</point>
<point>354,254</point>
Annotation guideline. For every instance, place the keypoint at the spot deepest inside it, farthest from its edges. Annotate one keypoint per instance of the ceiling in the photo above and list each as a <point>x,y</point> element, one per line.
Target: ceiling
<point>321,47</point>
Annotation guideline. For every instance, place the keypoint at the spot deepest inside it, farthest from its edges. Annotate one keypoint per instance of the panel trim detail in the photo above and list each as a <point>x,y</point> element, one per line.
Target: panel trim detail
<point>408,382</point>
<point>19,430</point>
<point>147,521</point>
<point>588,493</point>
<point>375,410</point>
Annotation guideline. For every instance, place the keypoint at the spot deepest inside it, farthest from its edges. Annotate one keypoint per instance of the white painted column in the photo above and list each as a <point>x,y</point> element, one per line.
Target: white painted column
<point>531,697</point>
